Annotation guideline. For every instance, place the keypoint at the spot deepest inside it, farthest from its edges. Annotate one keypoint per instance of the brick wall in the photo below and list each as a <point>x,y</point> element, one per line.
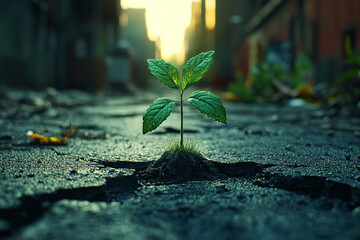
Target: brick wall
<point>315,27</point>
<point>335,18</point>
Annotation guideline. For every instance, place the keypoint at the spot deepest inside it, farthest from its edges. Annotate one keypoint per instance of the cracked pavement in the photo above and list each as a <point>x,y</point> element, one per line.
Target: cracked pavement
<point>292,173</point>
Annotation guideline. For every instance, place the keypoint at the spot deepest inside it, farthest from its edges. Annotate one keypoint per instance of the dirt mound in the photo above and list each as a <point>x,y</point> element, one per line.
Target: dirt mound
<point>179,167</point>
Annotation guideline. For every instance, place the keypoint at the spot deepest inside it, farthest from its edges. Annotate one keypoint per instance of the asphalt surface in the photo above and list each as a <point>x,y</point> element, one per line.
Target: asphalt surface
<point>293,172</point>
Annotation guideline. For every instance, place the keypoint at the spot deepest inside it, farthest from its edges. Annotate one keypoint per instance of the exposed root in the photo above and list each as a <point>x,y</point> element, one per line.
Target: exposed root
<point>180,167</point>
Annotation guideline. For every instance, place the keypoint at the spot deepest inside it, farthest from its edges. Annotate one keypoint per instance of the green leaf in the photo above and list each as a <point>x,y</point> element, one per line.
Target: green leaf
<point>209,104</point>
<point>353,60</point>
<point>242,91</point>
<point>196,67</point>
<point>347,75</point>
<point>165,72</point>
<point>348,49</point>
<point>158,111</point>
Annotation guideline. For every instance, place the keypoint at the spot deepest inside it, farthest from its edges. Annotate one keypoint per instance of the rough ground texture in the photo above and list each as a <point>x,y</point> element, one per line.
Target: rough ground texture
<point>290,172</point>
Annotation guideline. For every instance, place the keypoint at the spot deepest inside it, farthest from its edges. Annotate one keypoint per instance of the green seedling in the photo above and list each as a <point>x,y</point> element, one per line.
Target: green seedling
<point>206,102</point>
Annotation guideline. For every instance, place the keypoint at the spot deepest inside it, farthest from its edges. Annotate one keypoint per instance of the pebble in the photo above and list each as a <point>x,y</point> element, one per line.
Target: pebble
<point>356,211</point>
<point>274,118</point>
<point>289,148</point>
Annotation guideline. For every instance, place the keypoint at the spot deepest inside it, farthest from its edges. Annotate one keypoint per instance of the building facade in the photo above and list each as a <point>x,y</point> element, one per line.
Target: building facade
<point>59,43</point>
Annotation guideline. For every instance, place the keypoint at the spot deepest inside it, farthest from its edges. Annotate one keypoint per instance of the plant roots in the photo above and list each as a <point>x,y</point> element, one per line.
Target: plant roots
<point>180,167</point>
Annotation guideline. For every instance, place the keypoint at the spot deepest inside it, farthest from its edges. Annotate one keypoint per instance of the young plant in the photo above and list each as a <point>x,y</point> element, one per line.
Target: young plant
<point>206,102</point>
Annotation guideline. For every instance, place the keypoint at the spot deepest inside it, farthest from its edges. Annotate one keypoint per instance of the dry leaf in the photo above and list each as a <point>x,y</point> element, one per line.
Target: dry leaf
<point>43,140</point>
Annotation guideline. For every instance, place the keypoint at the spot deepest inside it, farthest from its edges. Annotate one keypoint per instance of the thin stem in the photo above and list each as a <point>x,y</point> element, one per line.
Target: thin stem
<point>182,123</point>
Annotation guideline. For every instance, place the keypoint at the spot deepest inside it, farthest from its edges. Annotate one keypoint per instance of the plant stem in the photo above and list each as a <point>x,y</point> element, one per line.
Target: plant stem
<point>182,122</point>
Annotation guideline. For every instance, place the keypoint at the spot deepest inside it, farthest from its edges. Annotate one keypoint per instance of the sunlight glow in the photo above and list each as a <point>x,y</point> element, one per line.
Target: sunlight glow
<point>210,14</point>
<point>133,3</point>
<point>166,22</point>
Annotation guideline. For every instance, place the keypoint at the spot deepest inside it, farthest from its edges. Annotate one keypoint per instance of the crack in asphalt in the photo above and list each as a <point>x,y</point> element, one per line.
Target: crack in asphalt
<point>313,186</point>
<point>121,188</point>
<point>33,207</point>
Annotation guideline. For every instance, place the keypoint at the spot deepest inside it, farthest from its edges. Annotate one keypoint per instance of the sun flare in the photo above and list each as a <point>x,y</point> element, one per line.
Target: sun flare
<point>166,22</point>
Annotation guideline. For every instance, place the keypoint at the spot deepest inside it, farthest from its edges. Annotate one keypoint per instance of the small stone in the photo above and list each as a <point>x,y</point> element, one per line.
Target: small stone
<point>356,211</point>
<point>274,118</point>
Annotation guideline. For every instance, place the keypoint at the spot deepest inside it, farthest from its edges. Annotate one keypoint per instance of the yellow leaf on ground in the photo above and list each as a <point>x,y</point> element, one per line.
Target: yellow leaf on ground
<point>43,140</point>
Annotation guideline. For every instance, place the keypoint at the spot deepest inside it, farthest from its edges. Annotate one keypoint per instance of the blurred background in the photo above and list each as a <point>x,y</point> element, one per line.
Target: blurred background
<point>265,49</point>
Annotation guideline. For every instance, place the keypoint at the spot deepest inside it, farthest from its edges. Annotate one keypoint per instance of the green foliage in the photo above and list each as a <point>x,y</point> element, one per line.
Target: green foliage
<point>350,74</point>
<point>208,104</point>
<point>353,63</point>
<point>352,58</point>
<point>263,76</point>
<point>241,90</point>
<point>348,84</point>
<point>165,72</point>
<point>157,113</point>
<point>267,79</point>
<point>194,69</point>
<point>264,73</point>
<point>302,63</point>
<point>302,70</point>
